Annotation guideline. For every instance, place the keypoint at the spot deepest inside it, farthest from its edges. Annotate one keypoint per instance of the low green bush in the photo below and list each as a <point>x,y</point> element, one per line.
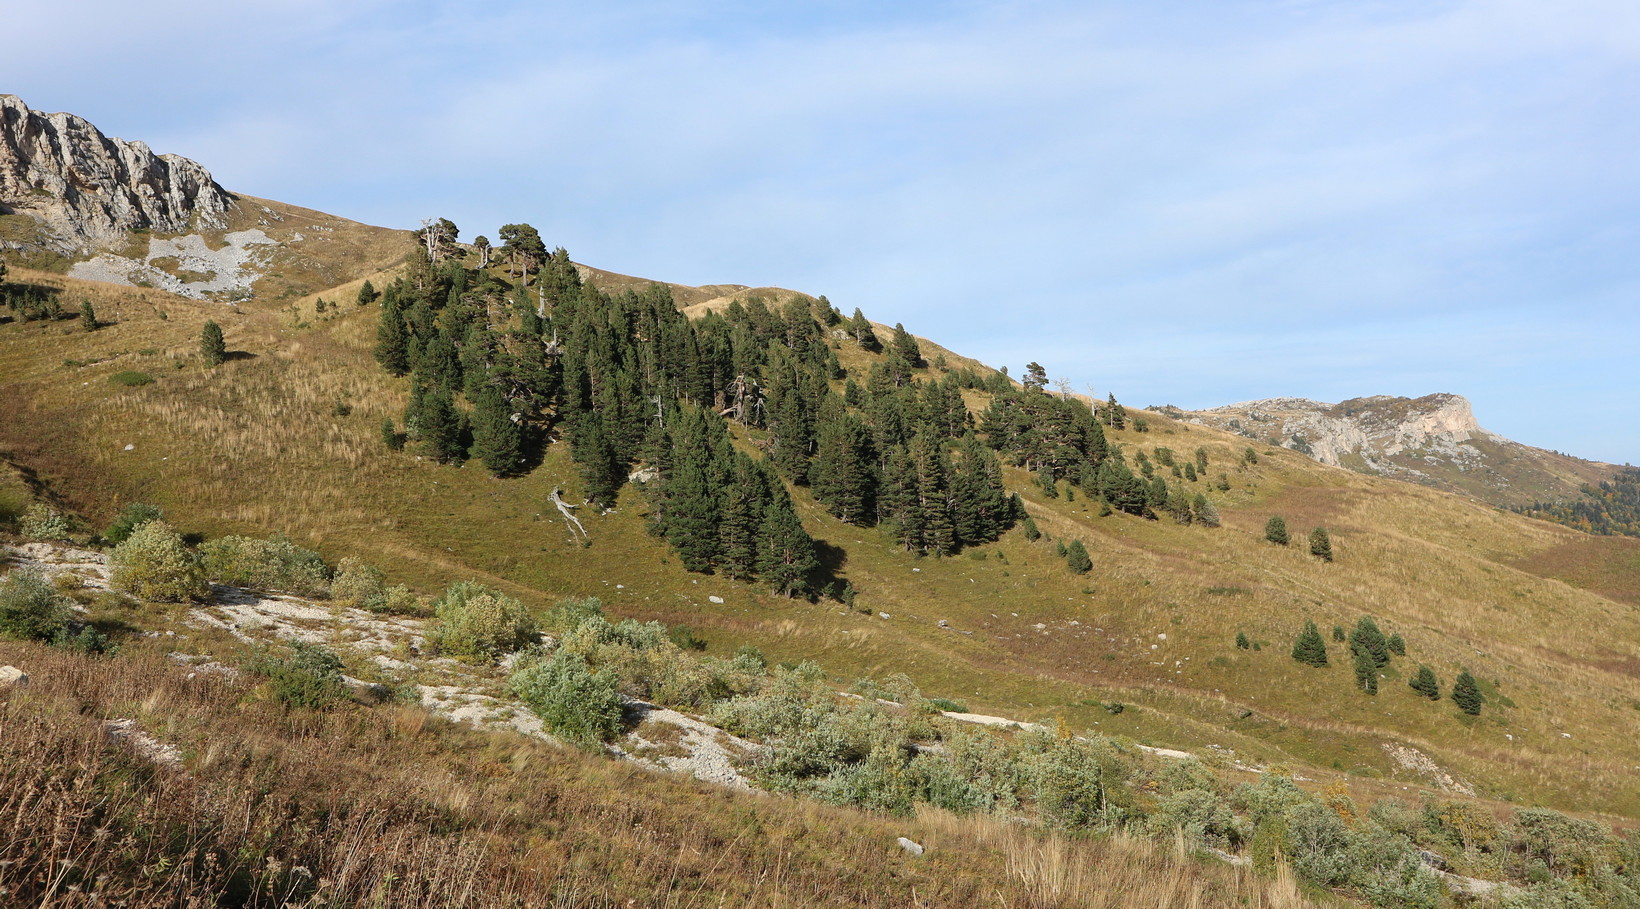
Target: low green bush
<point>43,523</point>
<point>153,564</point>
<point>310,676</point>
<point>276,564</point>
<point>131,378</point>
<point>30,608</point>
<point>129,519</point>
<point>481,624</point>
<point>575,703</point>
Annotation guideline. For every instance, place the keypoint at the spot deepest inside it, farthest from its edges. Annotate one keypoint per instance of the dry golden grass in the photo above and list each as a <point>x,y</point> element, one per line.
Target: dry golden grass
<point>389,807</point>
<point>1538,612</point>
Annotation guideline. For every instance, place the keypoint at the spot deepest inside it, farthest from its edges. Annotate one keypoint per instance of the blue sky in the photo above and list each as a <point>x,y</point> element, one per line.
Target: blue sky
<point>1179,202</point>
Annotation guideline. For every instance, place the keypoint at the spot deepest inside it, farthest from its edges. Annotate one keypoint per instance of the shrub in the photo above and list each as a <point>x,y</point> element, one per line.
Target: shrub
<point>1029,527</point>
<point>310,676</point>
<point>42,522</point>
<point>1241,641</point>
<point>359,586</point>
<point>131,378</point>
<point>1077,783</point>
<point>575,703</point>
<point>153,564</point>
<point>130,518</point>
<point>478,623</point>
<point>276,564</point>
<point>30,608</point>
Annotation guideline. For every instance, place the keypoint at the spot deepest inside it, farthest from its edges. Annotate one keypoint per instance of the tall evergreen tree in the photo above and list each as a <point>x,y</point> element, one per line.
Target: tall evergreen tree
<point>88,316</point>
<point>211,345</point>
<point>785,552</point>
<point>906,346</point>
<point>367,294</point>
<point>860,327</point>
<point>1425,683</point>
<point>1309,648</point>
<point>1366,638</point>
<point>441,426</point>
<point>497,440</point>
<point>1366,672</point>
<point>392,341</point>
<point>1467,694</point>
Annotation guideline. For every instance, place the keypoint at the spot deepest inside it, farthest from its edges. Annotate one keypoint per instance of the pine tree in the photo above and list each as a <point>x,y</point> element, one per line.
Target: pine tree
<point>1397,645</point>
<point>441,426</point>
<point>1320,544</point>
<point>390,435</point>
<point>1425,683</point>
<point>211,345</point>
<point>1466,694</point>
<point>1241,641</point>
<point>367,294</point>
<point>906,346</point>
<point>1309,648</point>
<point>860,328</point>
<point>785,551</point>
<point>1206,514</point>
<point>1366,638</point>
<point>1338,634</point>
<point>1275,530</point>
<point>497,440</point>
<point>392,341</point>
<point>88,316</point>
<point>1366,672</point>
<point>1029,527</point>
<point>1076,556</point>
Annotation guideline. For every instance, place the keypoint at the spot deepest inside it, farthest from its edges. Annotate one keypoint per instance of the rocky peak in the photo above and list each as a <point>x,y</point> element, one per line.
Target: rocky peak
<point>1373,428</point>
<point>86,190</point>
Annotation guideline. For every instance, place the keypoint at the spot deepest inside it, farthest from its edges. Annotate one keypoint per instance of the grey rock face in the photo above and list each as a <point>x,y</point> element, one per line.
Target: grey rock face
<point>87,190</point>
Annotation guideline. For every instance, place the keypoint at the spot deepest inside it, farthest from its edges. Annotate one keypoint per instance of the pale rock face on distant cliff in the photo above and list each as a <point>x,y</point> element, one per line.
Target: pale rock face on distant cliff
<point>87,190</point>
<point>1377,429</point>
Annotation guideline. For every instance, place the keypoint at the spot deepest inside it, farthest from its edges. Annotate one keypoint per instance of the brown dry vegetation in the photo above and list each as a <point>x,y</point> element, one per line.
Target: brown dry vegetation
<point>389,806</point>
<point>260,445</point>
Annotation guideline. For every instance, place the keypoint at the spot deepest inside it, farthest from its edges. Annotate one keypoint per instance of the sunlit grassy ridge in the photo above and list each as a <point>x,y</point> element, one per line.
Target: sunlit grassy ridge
<point>285,437</point>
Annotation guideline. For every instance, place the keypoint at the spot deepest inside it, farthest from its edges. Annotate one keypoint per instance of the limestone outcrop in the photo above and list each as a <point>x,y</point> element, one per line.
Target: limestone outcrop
<point>86,190</point>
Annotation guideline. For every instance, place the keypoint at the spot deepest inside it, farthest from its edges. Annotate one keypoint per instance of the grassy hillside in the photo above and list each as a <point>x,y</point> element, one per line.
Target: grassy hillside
<point>285,437</point>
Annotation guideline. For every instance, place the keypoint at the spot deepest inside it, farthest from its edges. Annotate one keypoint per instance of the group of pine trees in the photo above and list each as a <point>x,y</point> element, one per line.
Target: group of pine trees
<point>1275,531</point>
<point>1611,508</point>
<point>501,361</point>
<point>1370,652</point>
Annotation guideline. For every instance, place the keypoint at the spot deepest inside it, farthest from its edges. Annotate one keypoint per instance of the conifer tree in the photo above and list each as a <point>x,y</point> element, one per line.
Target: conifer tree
<point>1029,527</point>
<point>88,316</point>
<point>785,551</point>
<point>1338,634</point>
<point>906,346</point>
<point>367,294</point>
<point>1366,638</point>
<point>1366,672</point>
<point>497,440</point>
<point>860,328</point>
<point>390,435</point>
<point>1206,514</point>
<point>392,341</point>
<point>441,426</point>
<point>1397,645</point>
<point>1241,641</point>
<point>1425,683</point>
<point>1275,530</point>
<point>211,345</point>
<point>1309,648</point>
<point>1466,694</point>
<point>1321,544</point>
<point>1076,556</point>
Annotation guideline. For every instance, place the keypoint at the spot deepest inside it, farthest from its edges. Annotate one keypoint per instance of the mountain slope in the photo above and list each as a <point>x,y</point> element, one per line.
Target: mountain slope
<point>1433,440</point>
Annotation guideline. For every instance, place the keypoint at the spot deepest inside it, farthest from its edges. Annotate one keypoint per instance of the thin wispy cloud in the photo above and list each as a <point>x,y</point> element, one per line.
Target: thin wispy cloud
<point>1186,202</point>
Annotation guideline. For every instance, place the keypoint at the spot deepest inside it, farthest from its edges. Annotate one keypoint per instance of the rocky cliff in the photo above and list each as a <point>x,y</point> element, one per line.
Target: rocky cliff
<point>84,190</point>
<point>1432,440</point>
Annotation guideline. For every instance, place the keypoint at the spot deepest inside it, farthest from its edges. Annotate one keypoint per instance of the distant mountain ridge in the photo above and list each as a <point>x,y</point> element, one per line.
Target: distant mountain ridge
<point>1434,440</point>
